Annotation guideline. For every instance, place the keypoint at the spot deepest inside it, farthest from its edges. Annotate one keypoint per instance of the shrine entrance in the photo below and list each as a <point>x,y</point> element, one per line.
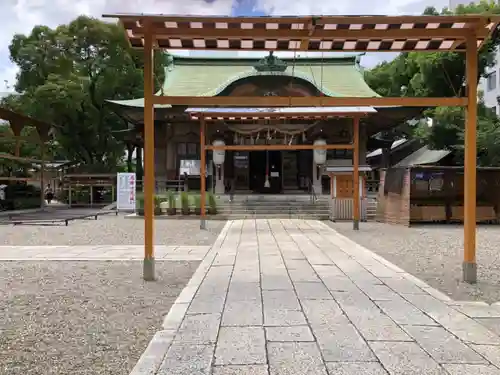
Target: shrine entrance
<point>265,170</point>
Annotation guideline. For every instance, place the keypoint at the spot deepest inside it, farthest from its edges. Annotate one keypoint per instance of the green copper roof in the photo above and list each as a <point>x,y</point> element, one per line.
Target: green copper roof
<point>195,76</point>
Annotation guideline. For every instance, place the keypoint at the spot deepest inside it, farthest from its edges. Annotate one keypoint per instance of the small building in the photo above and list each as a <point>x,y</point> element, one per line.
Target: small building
<point>177,137</point>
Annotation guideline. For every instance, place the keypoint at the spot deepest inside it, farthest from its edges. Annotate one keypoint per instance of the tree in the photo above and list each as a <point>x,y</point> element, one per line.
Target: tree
<point>442,74</point>
<point>67,74</point>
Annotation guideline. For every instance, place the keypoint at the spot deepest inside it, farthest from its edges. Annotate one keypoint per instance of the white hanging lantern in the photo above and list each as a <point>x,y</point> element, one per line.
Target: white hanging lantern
<point>320,154</point>
<point>219,155</point>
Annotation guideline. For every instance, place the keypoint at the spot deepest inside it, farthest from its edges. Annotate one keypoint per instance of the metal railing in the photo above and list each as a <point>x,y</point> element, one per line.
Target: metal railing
<point>312,191</point>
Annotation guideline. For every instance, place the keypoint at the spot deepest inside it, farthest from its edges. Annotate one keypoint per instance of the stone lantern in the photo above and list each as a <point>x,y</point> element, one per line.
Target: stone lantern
<point>318,160</point>
<point>218,157</point>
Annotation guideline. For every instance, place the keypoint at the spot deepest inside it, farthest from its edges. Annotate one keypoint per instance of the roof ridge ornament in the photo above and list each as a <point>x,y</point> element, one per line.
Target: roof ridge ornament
<point>270,63</point>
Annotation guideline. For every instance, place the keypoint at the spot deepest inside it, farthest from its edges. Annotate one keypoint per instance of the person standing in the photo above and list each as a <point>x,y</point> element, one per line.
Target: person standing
<point>49,194</point>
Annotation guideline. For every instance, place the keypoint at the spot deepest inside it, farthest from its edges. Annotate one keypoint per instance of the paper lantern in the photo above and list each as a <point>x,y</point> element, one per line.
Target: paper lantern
<point>320,154</point>
<point>218,155</point>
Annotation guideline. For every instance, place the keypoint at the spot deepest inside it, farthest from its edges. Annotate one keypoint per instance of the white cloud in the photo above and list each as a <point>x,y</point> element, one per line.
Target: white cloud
<point>19,16</point>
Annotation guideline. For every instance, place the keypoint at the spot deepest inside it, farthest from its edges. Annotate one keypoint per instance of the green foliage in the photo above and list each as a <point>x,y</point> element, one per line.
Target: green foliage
<point>196,201</point>
<point>171,199</point>
<point>442,74</point>
<point>66,75</point>
<point>212,204</point>
<point>185,201</point>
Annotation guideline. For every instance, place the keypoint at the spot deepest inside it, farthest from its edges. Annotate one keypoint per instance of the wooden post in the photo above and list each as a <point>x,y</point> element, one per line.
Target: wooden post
<point>469,264</point>
<point>203,195</point>
<point>149,162</point>
<point>355,174</point>
<point>91,196</point>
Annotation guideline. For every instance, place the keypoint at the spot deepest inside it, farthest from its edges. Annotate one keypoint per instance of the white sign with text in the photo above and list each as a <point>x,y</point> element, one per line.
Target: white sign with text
<point>126,196</point>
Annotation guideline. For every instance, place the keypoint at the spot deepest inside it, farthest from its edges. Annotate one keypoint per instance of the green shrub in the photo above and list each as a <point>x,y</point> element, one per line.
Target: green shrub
<point>212,204</point>
<point>185,203</point>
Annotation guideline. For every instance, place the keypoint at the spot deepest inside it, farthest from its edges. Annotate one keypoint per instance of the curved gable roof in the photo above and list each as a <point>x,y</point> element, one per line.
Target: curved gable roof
<point>191,76</point>
<point>209,76</point>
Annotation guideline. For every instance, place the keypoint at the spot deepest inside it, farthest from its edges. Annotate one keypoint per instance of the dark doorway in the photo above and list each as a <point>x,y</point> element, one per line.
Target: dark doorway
<point>258,171</point>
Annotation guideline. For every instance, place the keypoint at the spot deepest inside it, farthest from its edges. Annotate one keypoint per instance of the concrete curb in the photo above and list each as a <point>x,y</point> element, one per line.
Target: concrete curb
<point>152,358</point>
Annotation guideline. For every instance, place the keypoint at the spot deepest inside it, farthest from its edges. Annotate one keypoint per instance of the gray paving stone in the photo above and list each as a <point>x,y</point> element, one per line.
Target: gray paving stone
<point>199,329</point>
<point>185,359</point>
<point>404,312</point>
<point>277,317</point>
<point>490,352</point>
<point>312,290</point>
<point>276,282</point>
<point>378,292</point>
<point>323,312</point>
<point>292,358</point>
<point>376,326</point>
<point>330,270</point>
<point>471,370</point>
<point>246,276</point>
<point>443,346</point>
<point>243,292</point>
<point>339,283</point>
<point>207,303</point>
<point>341,342</point>
<point>290,333</point>
<point>296,264</point>
<point>241,370</point>
<point>401,285</point>
<point>479,311</point>
<point>353,368</point>
<point>303,275</point>
<point>241,346</point>
<point>224,260</point>
<point>405,358</point>
<point>242,313</point>
<point>280,300</point>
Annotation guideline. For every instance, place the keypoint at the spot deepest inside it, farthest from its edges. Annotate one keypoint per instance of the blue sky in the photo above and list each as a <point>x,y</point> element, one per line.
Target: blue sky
<point>19,16</point>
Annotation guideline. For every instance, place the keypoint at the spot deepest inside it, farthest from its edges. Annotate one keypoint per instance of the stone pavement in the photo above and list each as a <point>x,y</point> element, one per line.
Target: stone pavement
<point>294,297</point>
<point>118,253</point>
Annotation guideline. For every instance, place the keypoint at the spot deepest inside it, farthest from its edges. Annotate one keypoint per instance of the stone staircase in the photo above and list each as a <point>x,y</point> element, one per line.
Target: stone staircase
<point>371,208</point>
<point>252,206</point>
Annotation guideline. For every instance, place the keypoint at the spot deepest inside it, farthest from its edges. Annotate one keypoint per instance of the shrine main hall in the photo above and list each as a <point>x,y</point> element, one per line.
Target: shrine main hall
<point>288,170</point>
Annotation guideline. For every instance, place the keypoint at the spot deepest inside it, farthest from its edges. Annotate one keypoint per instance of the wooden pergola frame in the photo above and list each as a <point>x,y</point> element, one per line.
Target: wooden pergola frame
<point>464,33</point>
<point>17,123</point>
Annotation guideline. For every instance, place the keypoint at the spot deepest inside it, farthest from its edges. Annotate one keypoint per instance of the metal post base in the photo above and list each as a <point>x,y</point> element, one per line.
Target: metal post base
<point>203,224</point>
<point>148,270</point>
<point>469,272</point>
<point>355,224</point>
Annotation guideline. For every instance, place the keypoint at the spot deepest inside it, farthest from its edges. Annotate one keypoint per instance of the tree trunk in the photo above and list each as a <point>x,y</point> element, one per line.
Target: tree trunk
<point>130,151</point>
<point>138,166</point>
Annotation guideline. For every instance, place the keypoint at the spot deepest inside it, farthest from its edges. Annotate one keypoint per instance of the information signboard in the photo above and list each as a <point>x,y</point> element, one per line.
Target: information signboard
<point>126,195</point>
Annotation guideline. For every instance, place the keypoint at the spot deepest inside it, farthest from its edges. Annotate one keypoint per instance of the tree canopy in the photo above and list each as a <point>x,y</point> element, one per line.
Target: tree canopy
<point>442,74</point>
<point>66,75</point>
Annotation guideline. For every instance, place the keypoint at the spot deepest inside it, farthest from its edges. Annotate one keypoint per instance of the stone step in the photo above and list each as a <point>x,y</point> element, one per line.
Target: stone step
<point>273,216</point>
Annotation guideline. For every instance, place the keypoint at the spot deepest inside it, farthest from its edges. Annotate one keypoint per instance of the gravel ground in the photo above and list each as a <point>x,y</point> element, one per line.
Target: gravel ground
<point>434,254</point>
<point>111,230</point>
<point>82,318</point>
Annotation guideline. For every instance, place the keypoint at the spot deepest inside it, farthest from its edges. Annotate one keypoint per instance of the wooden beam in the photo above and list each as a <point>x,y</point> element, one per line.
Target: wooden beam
<point>307,101</point>
<point>355,174</point>
<point>237,116</point>
<point>333,34</point>
<point>4,155</point>
<point>469,263</point>
<point>278,147</point>
<point>149,160</point>
<point>320,20</point>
